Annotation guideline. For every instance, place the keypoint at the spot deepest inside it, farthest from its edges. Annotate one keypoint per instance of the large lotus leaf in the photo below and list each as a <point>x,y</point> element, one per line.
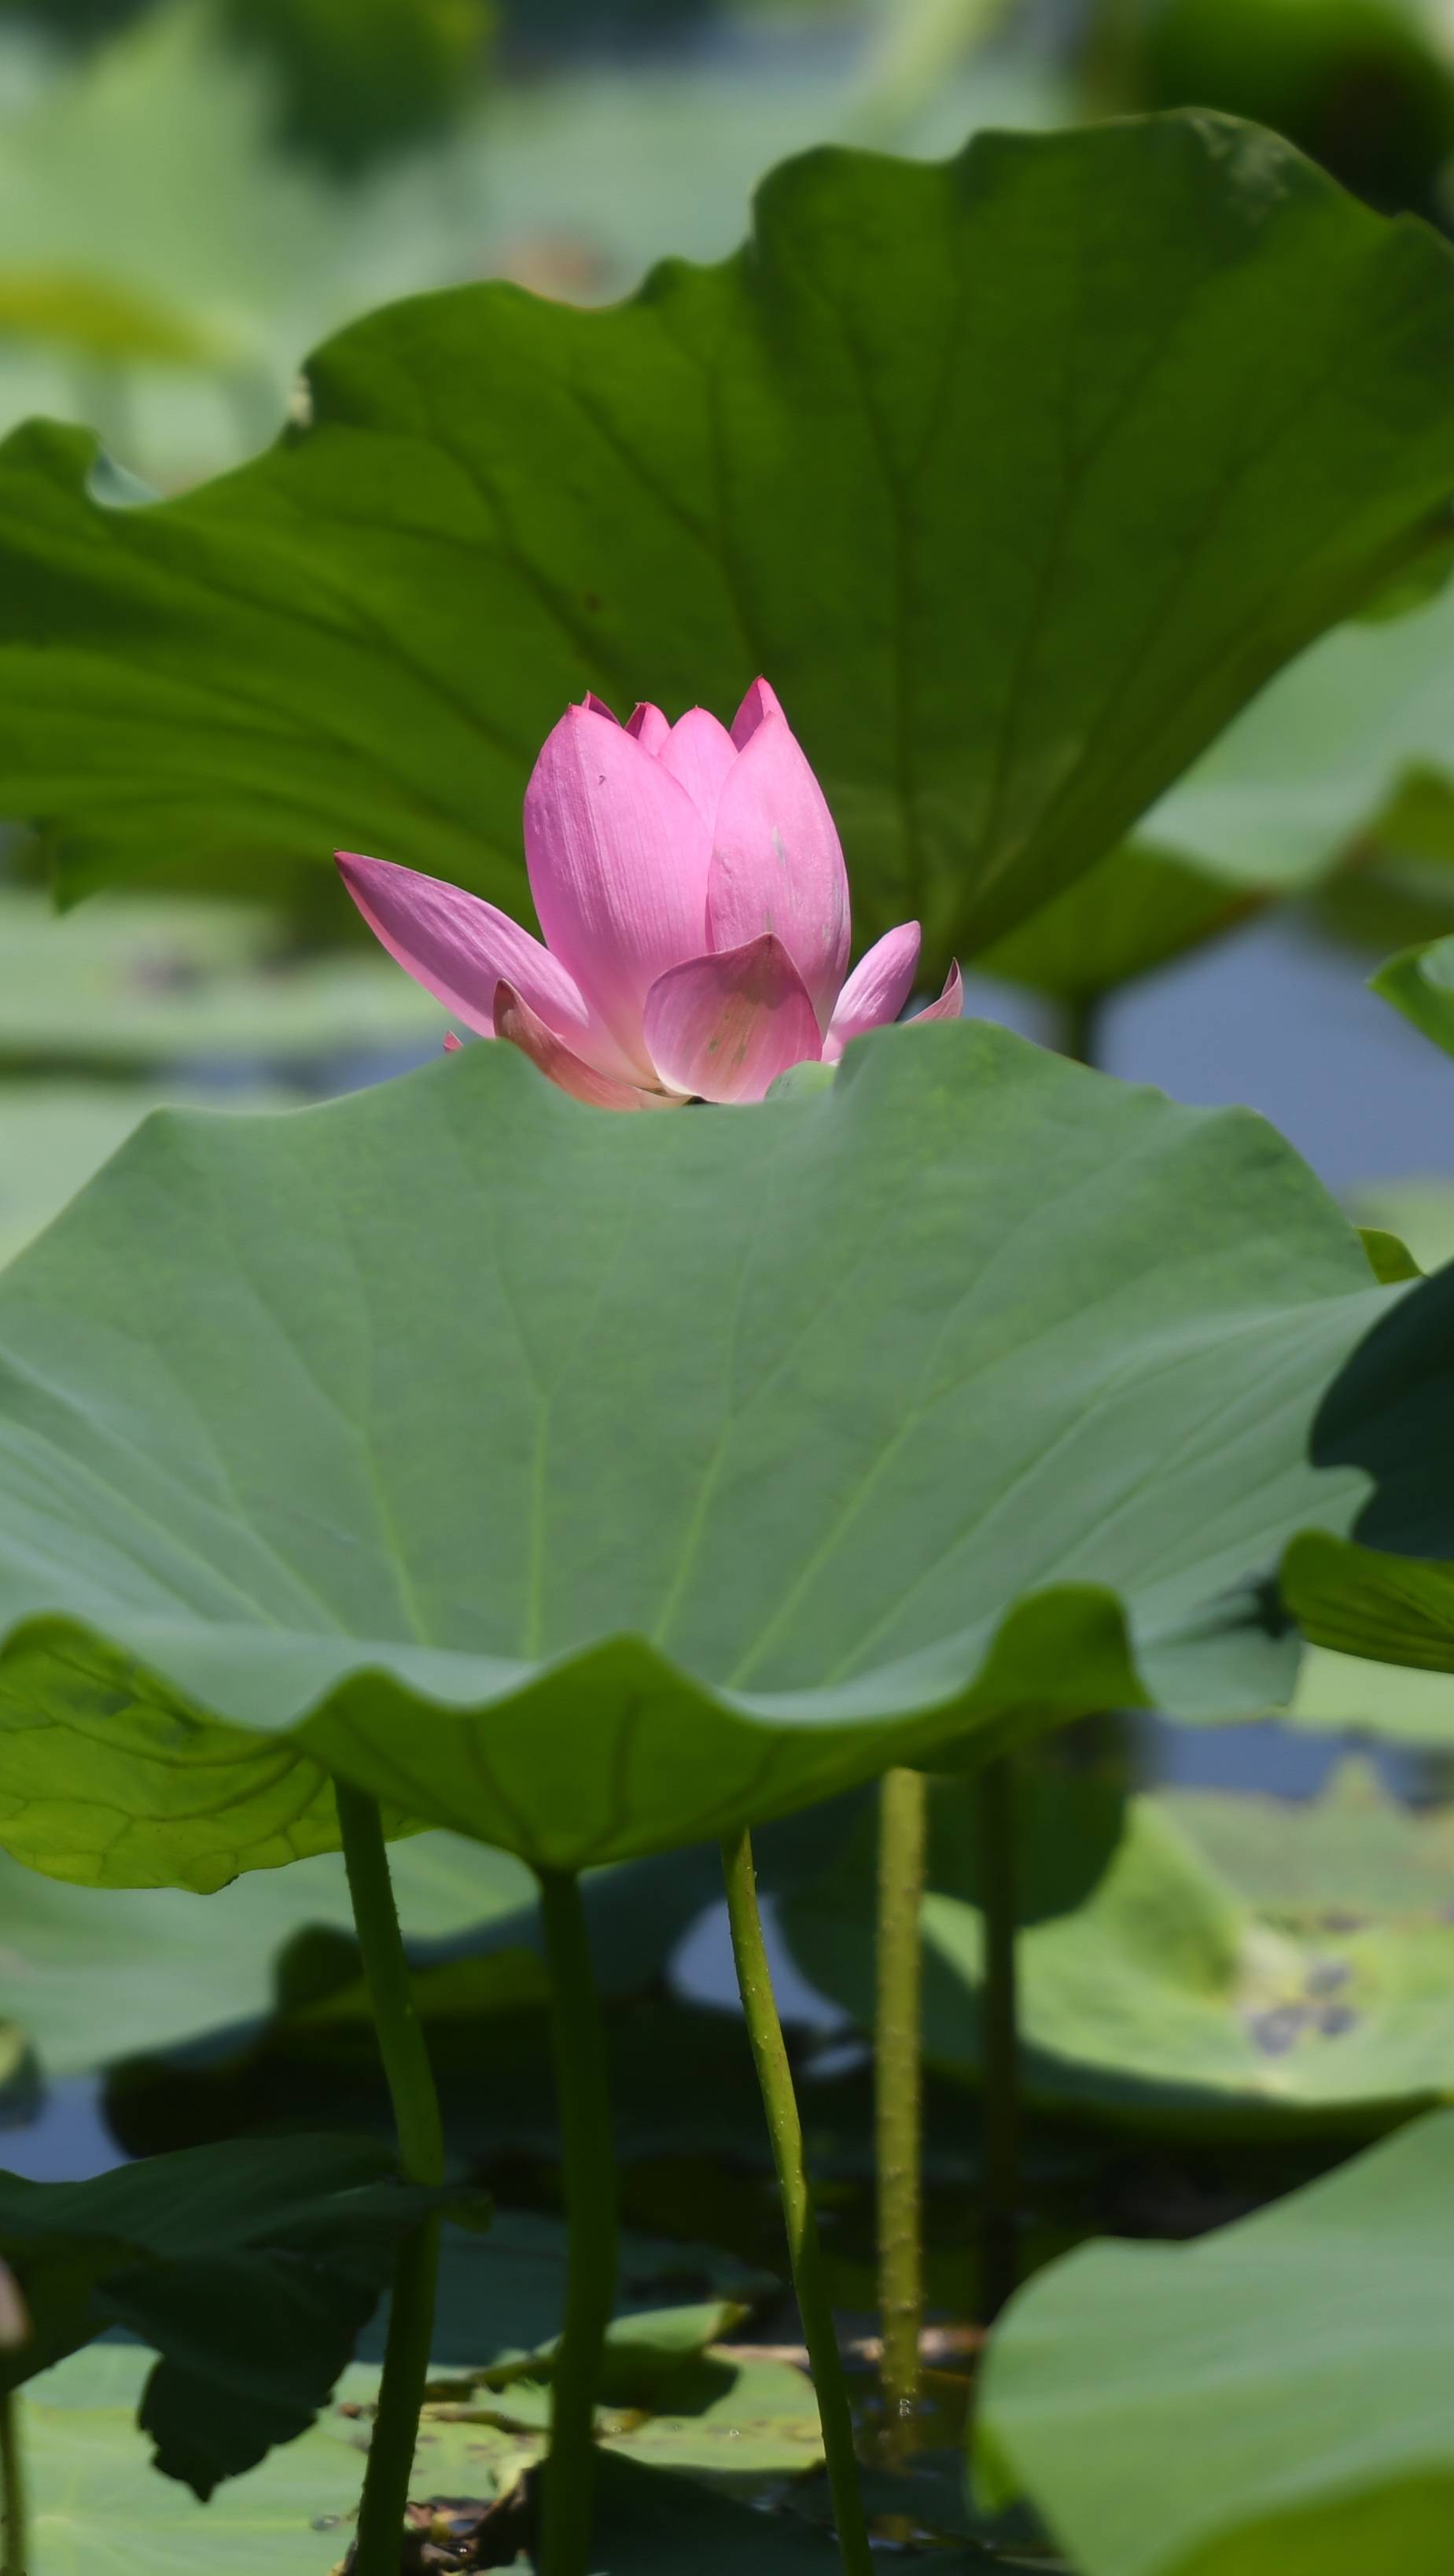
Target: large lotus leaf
<point>592,1484</point>
<point>1318,1864</point>
<point>147,982</point>
<point>97,2503</point>
<point>98,2506</point>
<point>1269,2401</point>
<point>1152,1991</point>
<point>1018,474</point>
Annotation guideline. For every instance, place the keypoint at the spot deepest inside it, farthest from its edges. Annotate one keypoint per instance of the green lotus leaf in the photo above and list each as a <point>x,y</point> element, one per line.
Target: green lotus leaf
<point>1381,1608</point>
<point>1152,1991</point>
<point>251,2276</point>
<point>98,2505</point>
<point>763,1449</point>
<point>1353,1853</point>
<point>501,2304</point>
<point>96,1974</point>
<point>1420,983</point>
<point>98,2502</point>
<point>1389,1256</point>
<point>1019,475</point>
<point>1390,1411</point>
<point>1269,2398</point>
<point>1419,1212</point>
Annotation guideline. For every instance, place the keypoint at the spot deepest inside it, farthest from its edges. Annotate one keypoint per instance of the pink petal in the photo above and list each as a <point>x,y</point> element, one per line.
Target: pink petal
<point>950,1005</point>
<point>760,701</point>
<point>618,858</point>
<point>515,1020</point>
<point>724,1027</point>
<point>699,751</point>
<point>877,989</point>
<point>451,1043</point>
<point>598,706</point>
<point>649,727</point>
<point>776,863</point>
<point>458,947</point>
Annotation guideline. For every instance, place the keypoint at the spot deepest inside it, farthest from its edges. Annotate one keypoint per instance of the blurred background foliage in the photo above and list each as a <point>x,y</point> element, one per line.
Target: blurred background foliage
<point>194,193</point>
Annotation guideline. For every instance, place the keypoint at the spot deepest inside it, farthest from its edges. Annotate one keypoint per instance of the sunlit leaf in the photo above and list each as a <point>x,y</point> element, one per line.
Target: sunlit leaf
<point>1151,1990</point>
<point>98,2502</point>
<point>593,1483</point>
<point>99,2506</point>
<point>1269,2401</point>
<point>1017,474</point>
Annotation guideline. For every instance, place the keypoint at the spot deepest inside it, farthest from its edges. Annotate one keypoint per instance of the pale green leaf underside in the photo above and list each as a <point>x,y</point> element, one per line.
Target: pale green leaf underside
<point>593,1484</point>
<point>1017,475</point>
<point>1270,2401</point>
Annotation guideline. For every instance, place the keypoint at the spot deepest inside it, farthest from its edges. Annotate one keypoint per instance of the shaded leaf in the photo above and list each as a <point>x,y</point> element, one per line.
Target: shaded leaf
<point>1104,425</point>
<point>250,2275</point>
<point>502,2300</point>
<point>684,1529</point>
<point>100,1974</point>
<point>1269,2398</point>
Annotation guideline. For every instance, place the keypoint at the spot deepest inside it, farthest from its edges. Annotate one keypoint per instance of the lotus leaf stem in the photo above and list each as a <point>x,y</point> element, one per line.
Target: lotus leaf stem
<point>995,1804</point>
<point>774,2074</point>
<point>16,2550</point>
<point>402,2047</point>
<point>588,2168</point>
<point>898,2098</point>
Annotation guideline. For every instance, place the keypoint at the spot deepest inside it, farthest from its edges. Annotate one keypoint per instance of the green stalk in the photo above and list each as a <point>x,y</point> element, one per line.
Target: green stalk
<point>588,2168</point>
<point>1110,51</point>
<point>1000,2044</point>
<point>898,2084</point>
<point>16,2550</point>
<point>775,2076</point>
<point>1080,1026</point>
<point>421,2152</point>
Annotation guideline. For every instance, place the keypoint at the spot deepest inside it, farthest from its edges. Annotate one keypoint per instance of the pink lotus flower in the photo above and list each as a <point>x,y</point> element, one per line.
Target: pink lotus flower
<point>694,902</point>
